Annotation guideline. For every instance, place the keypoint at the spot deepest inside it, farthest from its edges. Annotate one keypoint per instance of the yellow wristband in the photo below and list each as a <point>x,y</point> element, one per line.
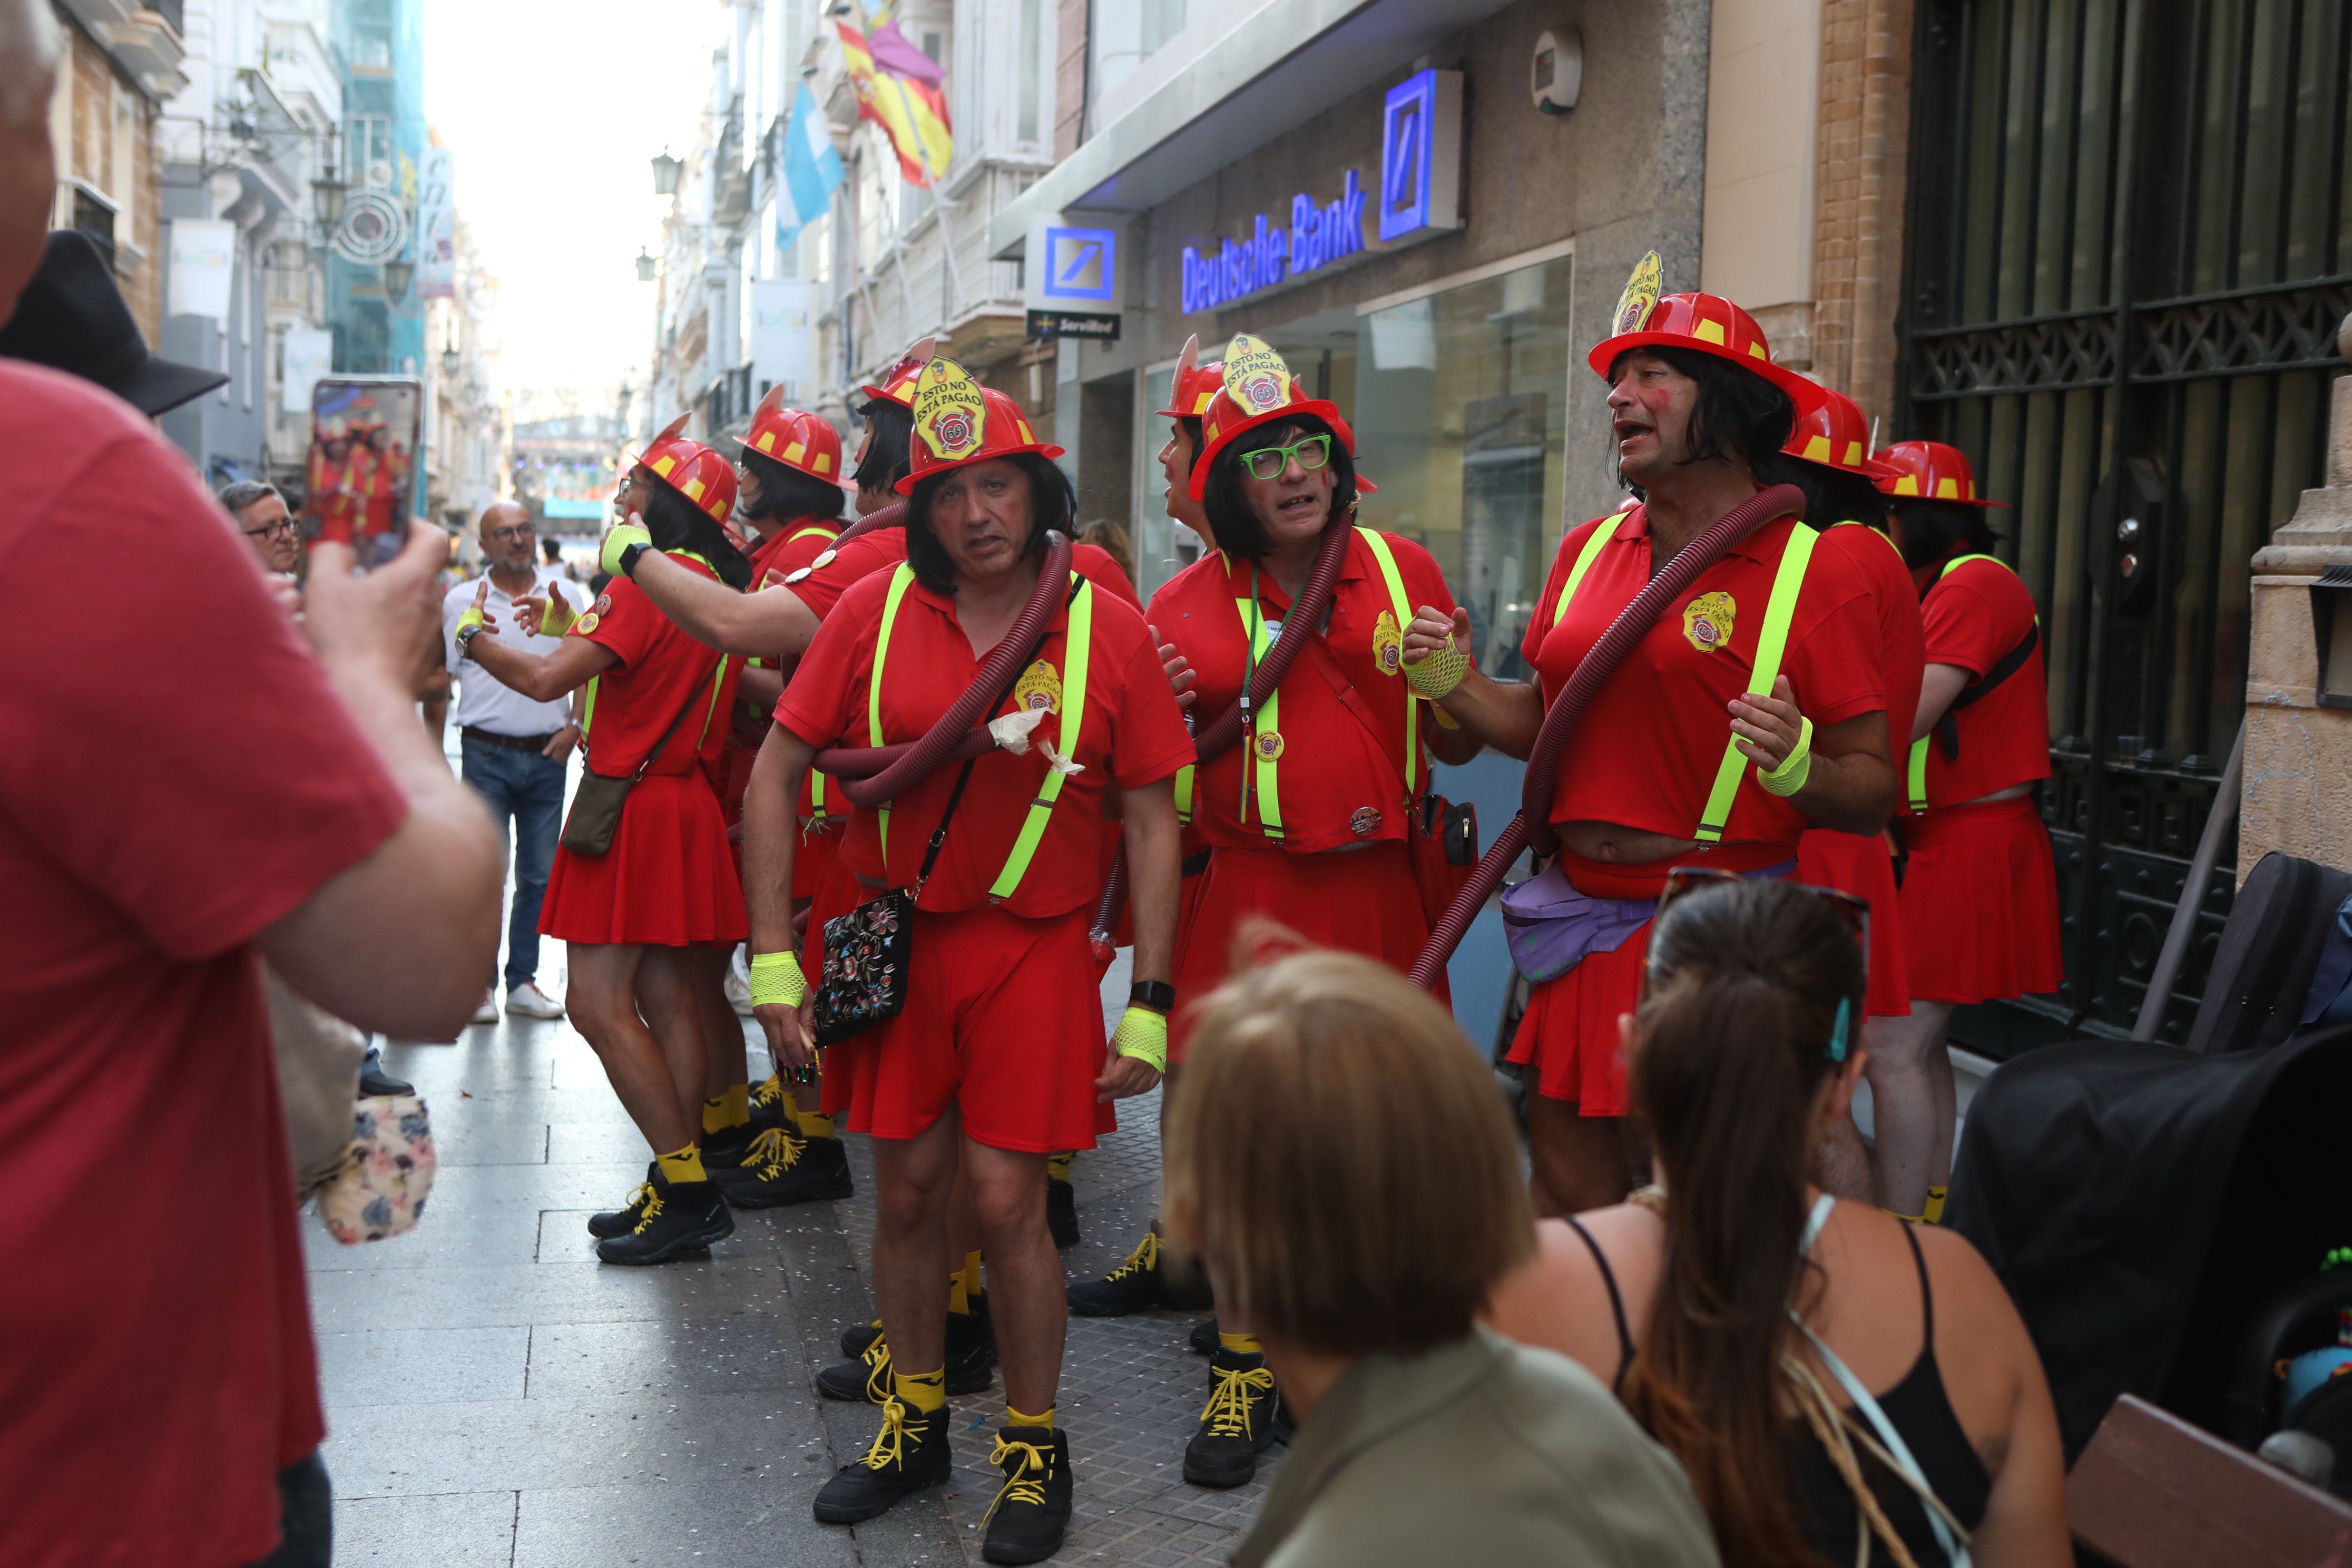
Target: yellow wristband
<point>557,618</point>
<point>1143,1035</point>
<point>776,980</point>
<point>1439,673</point>
<point>1790,775</point>
<point>617,540</point>
<point>471,617</point>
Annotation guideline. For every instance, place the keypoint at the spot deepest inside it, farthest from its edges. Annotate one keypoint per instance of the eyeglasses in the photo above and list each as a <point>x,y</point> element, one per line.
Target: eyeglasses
<point>281,529</point>
<point>512,534</point>
<point>1268,462</point>
<point>1684,880</point>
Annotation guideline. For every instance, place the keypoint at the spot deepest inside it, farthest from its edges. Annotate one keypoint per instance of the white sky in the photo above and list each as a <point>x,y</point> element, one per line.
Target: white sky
<point>552,114</point>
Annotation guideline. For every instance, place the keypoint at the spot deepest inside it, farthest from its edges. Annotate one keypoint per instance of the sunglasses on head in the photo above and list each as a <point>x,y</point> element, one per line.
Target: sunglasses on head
<point>1854,912</point>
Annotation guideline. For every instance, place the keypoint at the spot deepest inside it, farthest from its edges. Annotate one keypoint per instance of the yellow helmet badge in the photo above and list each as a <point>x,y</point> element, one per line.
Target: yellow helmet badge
<point>949,413</point>
<point>1641,296</point>
<point>1256,379</point>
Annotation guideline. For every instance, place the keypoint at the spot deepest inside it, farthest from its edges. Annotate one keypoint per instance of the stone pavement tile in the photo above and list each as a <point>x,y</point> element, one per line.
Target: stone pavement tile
<point>453,1530</point>
<point>488,1143</point>
<point>422,1366</point>
<point>747,1523</point>
<point>755,1353</point>
<point>440,1239</point>
<point>564,1236</point>
<point>486,1189</point>
<point>348,1299</point>
<point>595,1143</point>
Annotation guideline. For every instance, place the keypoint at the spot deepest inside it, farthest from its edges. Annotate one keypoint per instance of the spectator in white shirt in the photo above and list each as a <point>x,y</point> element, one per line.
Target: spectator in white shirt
<point>515,748</point>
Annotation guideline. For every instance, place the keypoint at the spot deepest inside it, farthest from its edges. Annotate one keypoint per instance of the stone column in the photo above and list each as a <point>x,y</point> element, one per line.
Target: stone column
<point>2297,791</point>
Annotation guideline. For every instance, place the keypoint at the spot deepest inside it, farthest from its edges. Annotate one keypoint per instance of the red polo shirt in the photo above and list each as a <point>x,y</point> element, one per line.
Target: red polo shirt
<point>870,552</point>
<point>1902,642</point>
<point>1646,751</point>
<point>1974,616</point>
<point>791,547</point>
<point>1131,734</point>
<point>1340,711</point>
<point>632,703</point>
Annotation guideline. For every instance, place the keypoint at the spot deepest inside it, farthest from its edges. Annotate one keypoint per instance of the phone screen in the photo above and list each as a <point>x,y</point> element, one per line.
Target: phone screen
<point>363,462</point>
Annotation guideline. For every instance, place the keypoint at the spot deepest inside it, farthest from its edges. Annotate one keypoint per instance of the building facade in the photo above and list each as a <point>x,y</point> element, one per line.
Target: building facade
<point>122,63</point>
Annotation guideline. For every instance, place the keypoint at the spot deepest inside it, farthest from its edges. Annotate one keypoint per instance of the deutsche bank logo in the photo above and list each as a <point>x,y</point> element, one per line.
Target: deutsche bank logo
<point>1406,161</point>
<point>1080,264</point>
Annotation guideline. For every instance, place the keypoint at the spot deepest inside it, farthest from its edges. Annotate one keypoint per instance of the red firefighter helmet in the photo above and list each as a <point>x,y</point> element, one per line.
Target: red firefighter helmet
<point>794,438</point>
<point>959,421</point>
<point>898,381</point>
<point>1196,385</point>
<point>1928,470</point>
<point>1706,323</point>
<point>1835,435</point>
<point>692,469</point>
<point>1255,388</point>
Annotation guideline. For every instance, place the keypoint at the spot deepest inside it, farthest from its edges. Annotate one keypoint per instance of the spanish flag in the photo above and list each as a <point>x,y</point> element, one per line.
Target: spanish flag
<point>912,113</point>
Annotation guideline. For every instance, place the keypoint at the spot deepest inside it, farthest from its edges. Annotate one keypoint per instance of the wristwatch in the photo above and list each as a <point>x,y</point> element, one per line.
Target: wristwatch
<point>1157,994</point>
<point>465,636</point>
<point>629,561</point>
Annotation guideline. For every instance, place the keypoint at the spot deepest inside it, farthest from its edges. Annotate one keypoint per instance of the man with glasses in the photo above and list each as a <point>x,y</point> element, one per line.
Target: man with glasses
<point>514,749</point>
<point>271,528</point>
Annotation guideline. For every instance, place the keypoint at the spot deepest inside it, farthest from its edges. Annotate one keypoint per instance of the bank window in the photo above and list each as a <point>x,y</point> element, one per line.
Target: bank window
<point>1460,406</point>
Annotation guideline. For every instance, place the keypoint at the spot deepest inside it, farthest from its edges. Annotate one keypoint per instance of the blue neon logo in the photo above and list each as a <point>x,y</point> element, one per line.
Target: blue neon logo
<point>1410,113</point>
<point>1080,264</point>
<point>1319,235</point>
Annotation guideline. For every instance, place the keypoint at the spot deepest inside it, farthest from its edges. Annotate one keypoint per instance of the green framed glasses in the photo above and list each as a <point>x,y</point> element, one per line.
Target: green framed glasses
<point>1268,462</point>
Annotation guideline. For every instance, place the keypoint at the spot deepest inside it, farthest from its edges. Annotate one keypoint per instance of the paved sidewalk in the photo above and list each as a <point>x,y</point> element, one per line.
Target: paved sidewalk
<point>498,1399</point>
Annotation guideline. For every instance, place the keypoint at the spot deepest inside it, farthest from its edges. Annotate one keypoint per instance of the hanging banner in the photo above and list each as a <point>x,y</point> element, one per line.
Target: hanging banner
<point>204,254</point>
<point>436,229</point>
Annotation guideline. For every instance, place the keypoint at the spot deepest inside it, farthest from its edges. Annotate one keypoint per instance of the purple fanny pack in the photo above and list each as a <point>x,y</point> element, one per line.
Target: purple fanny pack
<point>1551,928</point>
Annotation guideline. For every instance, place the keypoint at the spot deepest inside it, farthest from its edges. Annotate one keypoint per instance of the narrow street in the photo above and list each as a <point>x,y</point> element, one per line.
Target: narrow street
<point>497,1397</point>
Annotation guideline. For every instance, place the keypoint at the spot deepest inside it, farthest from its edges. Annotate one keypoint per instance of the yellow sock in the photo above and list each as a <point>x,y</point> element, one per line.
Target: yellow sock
<point>958,1297</point>
<point>686,1165</point>
<point>1936,1204</point>
<point>1241,1344</point>
<point>924,1391</point>
<point>1910,1218</point>
<point>812,1125</point>
<point>1057,1166</point>
<point>1014,1419</point>
<point>972,1285</point>
<point>732,1109</point>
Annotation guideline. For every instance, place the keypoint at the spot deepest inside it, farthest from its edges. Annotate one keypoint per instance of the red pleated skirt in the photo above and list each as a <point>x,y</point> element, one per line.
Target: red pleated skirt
<point>1981,903</point>
<point>1861,866</point>
<point>667,880</point>
<point>1354,900</point>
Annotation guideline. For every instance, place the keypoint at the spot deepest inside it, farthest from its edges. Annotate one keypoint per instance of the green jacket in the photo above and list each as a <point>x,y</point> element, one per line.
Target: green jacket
<point>1482,1452</point>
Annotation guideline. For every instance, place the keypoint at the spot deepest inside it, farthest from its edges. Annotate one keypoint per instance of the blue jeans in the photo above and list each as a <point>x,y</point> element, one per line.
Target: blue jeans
<point>525,790</point>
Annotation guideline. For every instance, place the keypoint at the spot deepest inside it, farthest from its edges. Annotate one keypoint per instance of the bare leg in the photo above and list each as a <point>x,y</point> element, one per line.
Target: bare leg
<point>1948,1102</point>
<point>724,1061</point>
<point>602,1002</point>
<point>1841,1164</point>
<point>963,1232</point>
<point>667,987</point>
<point>1028,1304</point>
<point>911,1178</point>
<point>1580,1161</point>
<point>1180,1273</point>
<point>1903,1103</point>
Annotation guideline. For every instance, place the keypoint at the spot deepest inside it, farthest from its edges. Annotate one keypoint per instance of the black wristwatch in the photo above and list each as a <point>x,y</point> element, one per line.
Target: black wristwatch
<point>465,636</point>
<point>1156,994</point>
<point>629,559</point>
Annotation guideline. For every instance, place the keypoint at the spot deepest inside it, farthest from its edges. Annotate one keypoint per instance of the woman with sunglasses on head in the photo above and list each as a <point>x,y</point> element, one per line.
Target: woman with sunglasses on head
<point>1748,713</point>
<point>1308,819</point>
<point>1823,1371</point>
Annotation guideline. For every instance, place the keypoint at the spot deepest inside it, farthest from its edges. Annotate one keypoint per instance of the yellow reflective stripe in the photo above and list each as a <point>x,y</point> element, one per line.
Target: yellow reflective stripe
<point>1918,770</point>
<point>588,708</point>
<point>1076,647</point>
<point>1599,536</point>
<point>817,790</point>
<point>1184,793</point>
<point>815,528</point>
<point>1269,718</point>
<point>1771,643</point>
<point>900,581</point>
<point>1387,558</point>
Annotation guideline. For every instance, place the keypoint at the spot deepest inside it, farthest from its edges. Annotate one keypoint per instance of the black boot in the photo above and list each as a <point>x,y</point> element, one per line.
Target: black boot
<point>1062,1212</point>
<point>779,1169</point>
<point>1203,1337</point>
<point>972,1349</point>
<point>622,1220</point>
<point>1031,1511</point>
<point>772,1105</point>
<point>865,1376</point>
<point>374,1081</point>
<point>1132,1287</point>
<point>727,1147</point>
<point>680,1216</point>
<point>909,1453</point>
<point>1242,1421</point>
<point>858,1337</point>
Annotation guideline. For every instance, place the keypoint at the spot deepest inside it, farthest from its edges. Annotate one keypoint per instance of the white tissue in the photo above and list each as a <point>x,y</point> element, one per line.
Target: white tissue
<point>1011,731</point>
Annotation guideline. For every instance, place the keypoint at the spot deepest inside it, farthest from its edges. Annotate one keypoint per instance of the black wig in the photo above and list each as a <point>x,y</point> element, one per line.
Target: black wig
<point>677,523</point>
<point>1929,529</point>
<point>886,457</point>
<point>1832,494</point>
<point>786,492</point>
<point>1052,504</point>
<point>1238,531</point>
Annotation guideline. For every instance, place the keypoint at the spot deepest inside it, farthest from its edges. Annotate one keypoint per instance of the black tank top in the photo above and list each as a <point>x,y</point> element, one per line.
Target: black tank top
<point>1919,1410</point>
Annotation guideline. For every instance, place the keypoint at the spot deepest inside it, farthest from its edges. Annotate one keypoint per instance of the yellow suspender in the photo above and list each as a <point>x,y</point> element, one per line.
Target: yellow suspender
<point>1076,647</point>
<point>1184,793</point>
<point>588,707</point>
<point>817,529</point>
<point>1269,722</point>
<point>1594,542</point>
<point>1381,554</point>
<point>1771,643</point>
<point>900,581</point>
<point>1919,771</point>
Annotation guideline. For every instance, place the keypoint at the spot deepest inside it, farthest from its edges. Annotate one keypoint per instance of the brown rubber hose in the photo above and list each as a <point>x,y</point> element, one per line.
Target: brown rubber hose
<point>1532,825</point>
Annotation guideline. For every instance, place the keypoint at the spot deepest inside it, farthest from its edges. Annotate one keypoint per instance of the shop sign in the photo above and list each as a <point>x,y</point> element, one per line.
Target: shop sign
<point>1047,326</point>
<point>1317,236</point>
<point>1071,267</point>
<point>1421,156</point>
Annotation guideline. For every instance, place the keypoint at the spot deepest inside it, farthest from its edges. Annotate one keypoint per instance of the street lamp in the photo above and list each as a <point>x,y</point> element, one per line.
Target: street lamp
<point>665,171</point>
<point>328,193</point>
<point>646,265</point>
<point>450,359</point>
<point>395,278</point>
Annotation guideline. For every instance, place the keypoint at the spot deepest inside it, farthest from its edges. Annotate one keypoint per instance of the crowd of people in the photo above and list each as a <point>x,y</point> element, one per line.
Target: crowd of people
<point>928,768</point>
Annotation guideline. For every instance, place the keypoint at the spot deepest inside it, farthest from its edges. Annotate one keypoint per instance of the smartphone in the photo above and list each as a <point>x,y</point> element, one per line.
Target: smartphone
<point>362,464</point>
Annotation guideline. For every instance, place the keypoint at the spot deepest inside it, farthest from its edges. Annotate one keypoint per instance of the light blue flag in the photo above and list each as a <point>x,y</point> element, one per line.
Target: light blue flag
<point>812,169</point>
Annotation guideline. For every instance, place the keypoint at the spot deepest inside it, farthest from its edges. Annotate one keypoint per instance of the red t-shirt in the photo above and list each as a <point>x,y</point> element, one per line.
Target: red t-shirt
<point>1132,734</point>
<point>1902,642</point>
<point>1974,616</point>
<point>632,703</point>
<point>1645,752</point>
<point>791,547</point>
<point>1342,755</point>
<point>158,809</point>
<point>870,552</point>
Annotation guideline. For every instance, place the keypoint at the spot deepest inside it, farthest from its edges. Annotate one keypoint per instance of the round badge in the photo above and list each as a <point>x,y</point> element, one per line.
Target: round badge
<point>604,603</point>
<point>1263,391</point>
<point>1364,821</point>
<point>589,623</point>
<point>794,577</point>
<point>1269,745</point>
<point>1707,621</point>
<point>824,560</point>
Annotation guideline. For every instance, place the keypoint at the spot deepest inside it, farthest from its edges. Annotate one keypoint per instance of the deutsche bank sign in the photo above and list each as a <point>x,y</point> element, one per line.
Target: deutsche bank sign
<point>1080,264</point>
<point>1317,236</point>
<point>1421,155</point>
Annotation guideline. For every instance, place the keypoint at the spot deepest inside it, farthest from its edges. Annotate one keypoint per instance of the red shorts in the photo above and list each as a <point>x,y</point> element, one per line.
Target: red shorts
<point>1004,1021</point>
<point>1570,1032</point>
<point>1981,903</point>
<point>1352,900</point>
<point>667,881</point>
<point>1854,864</point>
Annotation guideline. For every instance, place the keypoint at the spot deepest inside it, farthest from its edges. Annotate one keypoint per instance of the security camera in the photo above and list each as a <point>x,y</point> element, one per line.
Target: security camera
<point>1556,75</point>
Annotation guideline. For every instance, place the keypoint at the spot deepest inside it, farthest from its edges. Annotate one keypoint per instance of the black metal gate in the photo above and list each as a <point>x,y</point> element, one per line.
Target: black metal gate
<point>2128,247</point>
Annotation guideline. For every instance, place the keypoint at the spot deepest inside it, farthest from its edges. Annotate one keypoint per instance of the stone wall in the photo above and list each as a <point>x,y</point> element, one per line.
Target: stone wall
<point>1862,135</point>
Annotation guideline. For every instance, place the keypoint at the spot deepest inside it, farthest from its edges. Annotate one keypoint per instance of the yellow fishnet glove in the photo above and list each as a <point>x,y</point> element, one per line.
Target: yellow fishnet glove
<point>1790,775</point>
<point>1438,674</point>
<point>776,980</point>
<point>617,539</point>
<point>1143,1035</point>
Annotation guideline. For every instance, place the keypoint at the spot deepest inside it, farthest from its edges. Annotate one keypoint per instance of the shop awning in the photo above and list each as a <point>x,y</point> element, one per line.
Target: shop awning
<point>1277,71</point>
